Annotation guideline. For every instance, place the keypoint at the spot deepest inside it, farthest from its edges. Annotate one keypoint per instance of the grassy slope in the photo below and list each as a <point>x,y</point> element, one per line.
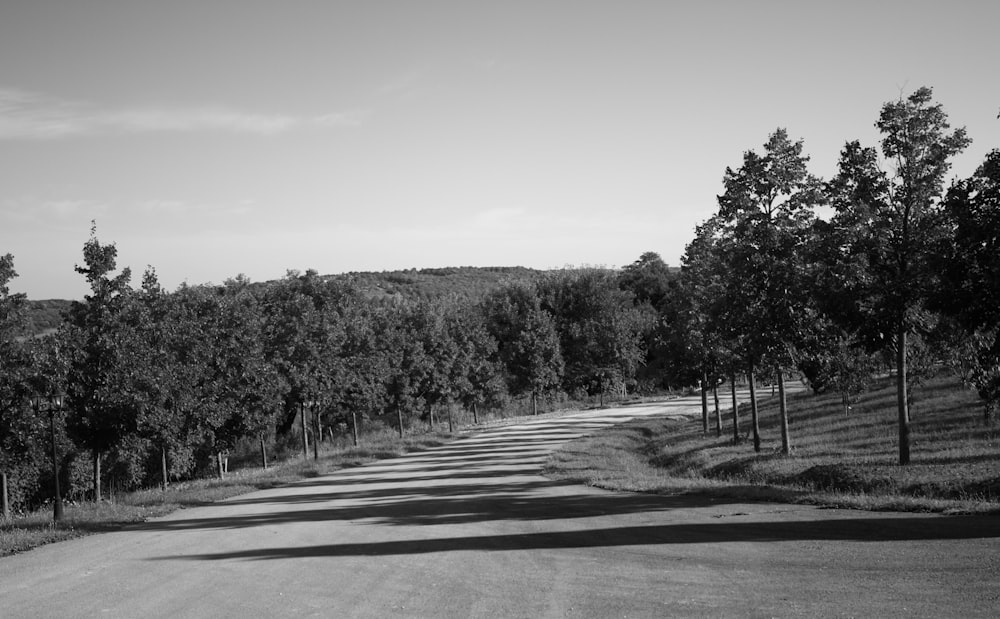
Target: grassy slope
<point>837,460</point>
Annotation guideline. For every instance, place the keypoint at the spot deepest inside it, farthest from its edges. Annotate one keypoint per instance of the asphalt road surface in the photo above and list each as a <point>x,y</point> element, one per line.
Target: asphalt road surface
<point>472,530</point>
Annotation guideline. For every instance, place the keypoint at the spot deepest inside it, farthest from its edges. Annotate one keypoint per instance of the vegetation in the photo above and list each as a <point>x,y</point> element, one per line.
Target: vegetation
<point>843,460</point>
<point>162,387</point>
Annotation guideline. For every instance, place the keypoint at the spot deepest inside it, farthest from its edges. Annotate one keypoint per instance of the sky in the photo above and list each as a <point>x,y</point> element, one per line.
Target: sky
<point>214,138</point>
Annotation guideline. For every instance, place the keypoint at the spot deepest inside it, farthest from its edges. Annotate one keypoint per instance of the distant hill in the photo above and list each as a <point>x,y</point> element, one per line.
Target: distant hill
<point>427,284</point>
<point>410,284</point>
<point>45,316</point>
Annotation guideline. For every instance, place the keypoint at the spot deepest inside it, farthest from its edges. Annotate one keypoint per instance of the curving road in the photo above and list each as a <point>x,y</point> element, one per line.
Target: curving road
<point>472,530</point>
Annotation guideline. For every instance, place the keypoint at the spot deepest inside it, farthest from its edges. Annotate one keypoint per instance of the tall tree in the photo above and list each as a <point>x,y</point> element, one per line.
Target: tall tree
<point>527,340</point>
<point>766,211</point>
<point>600,329</point>
<point>970,272</point>
<point>700,338</point>
<point>16,429</point>
<point>100,380</point>
<point>890,222</point>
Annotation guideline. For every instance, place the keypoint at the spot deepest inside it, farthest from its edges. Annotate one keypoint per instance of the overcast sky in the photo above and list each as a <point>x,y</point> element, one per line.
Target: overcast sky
<point>214,138</point>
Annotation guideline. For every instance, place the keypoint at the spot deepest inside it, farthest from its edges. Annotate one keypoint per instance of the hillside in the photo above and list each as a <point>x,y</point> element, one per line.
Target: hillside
<point>411,284</point>
<point>45,316</point>
<point>427,284</point>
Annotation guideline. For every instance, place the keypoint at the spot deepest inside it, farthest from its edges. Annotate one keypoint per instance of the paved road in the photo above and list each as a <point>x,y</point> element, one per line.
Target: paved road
<point>472,530</point>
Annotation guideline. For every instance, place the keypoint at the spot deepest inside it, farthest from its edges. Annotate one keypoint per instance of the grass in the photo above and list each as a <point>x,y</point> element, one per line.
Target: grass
<point>837,460</point>
<point>35,529</point>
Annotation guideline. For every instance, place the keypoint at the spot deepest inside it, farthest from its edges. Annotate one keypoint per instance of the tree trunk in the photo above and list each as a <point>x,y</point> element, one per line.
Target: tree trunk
<point>718,412</point>
<point>736,409</point>
<point>786,442</point>
<point>534,403</point>
<point>475,414</point>
<point>96,455</point>
<point>263,452</point>
<point>163,468</point>
<point>901,400</point>
<point>399,417</point>
<point>221,469</point>
<point>845,399</point>
<point>704,402</point>
<point>4,499</point>
<point>316,434</point>
<point>754,420</point>
<point>451,424</point>
<point>302,426</point>
<point>354,426</point>
<point>430,415</point>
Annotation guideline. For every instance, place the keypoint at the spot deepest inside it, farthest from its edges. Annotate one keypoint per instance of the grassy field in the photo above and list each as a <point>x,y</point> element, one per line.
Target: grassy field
<point>837,459</point>
<point>29,531</point>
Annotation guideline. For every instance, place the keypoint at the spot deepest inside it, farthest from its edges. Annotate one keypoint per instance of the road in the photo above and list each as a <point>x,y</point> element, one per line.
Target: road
<point>472,530</point>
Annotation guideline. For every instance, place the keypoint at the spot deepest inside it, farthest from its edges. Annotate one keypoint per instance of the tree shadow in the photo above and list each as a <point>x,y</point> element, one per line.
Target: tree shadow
<point>848,530</point>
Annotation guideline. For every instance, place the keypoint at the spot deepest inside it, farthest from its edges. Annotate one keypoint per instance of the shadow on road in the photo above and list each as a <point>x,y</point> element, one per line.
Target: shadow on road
<point>852,529</point>
<point>493,477</point>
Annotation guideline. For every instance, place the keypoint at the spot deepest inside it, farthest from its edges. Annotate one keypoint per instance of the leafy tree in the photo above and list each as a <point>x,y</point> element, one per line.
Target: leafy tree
<point>302,338</point>
<point>527,341</point>
<point>600,329</point>
<point>476,374</point>
<point>765,212</point>
<point>654,287</point>
<point>890,224</point>
<point>701,341</point>
<point>408,367</point>
<point>970,272</point>
<point>17,427</point>
<point>100,385</point>
<point>649,279</point>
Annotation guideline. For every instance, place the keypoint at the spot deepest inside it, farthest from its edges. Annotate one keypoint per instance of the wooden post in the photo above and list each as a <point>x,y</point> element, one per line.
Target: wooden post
<point>163,466</point>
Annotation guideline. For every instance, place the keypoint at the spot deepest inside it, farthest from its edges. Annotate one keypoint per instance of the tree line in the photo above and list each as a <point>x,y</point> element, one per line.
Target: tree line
<point>901,272</point>
<point>159,383</point>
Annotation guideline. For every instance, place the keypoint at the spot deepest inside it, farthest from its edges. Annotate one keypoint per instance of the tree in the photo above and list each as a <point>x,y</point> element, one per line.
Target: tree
<point>890,224</point>
<point>649,279</point>
<point>100,385</point>
<point>970,272</point>
<point>527,340</point>
<point>247,388</point>
<point>765,213</point>
<point>16,425</point>
<point>476,373</point>
<point>701,339</point>
<point>303,338</point>
<point>600,329</point>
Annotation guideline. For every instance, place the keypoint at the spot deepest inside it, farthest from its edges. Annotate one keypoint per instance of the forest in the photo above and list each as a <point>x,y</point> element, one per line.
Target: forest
<point>889,267</point>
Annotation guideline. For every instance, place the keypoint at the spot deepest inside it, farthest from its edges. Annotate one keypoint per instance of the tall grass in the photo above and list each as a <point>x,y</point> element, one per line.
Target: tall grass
<point>837,459</point>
